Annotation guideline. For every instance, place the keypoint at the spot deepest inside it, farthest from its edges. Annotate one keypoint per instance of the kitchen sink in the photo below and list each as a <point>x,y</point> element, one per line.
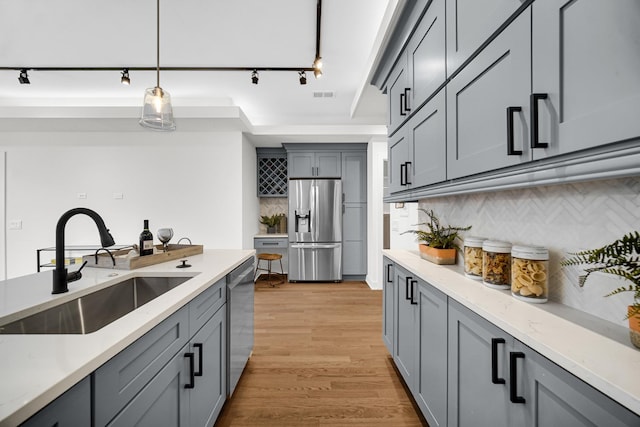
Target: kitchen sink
<point>93,311</point>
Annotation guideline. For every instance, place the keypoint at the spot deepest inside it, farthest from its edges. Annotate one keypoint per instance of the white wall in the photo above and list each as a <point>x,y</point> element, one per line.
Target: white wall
<point>376,155</point>
<point>190,181</point>
<point>250,199</point>
<point>403,217</point>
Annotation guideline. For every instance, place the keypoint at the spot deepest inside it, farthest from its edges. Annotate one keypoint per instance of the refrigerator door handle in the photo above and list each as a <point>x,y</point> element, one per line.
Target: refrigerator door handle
<point>314,246</point>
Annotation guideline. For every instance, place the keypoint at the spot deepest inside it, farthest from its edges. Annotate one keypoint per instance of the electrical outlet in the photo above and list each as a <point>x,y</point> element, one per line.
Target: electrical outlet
<point>118,196</point>
<point>82,195</point>
<point>15,225</point>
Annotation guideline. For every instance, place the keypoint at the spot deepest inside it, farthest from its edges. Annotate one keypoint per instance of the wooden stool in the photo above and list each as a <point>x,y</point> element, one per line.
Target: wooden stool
<point>269,258</point>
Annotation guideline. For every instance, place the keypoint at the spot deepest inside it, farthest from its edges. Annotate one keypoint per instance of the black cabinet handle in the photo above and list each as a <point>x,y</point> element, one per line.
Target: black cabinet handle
<point>402,103</point>
<point>192,379</point>
<point>413,282</point>
<point>494,361</point>
<point>511,151</point>
<point>513,377</point>
<point>406,99</point>
<point>389,280</point>
<point>534,98</point>
<point>403,174</point>
<point>406,288</point>
<point>198,373</point>
<point>406,173</point>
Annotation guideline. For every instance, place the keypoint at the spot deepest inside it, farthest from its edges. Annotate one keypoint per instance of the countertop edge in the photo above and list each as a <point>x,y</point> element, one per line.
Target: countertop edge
<point>584,353</point>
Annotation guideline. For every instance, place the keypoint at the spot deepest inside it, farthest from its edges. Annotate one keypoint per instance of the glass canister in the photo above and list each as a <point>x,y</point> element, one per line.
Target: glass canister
<point>530,273</point>
<point>496,264</point>
<point>473,257</point>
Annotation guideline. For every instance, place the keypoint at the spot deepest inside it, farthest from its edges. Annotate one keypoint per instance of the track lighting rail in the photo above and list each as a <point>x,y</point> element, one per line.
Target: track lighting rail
<point>165,68</point>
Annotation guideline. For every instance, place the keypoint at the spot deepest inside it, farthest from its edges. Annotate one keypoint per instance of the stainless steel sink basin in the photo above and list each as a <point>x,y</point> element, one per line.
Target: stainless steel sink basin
<point>91,312</point>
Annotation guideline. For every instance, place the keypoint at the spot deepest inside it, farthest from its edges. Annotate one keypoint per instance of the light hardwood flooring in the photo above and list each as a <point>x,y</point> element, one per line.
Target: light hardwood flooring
<point>319,360</point>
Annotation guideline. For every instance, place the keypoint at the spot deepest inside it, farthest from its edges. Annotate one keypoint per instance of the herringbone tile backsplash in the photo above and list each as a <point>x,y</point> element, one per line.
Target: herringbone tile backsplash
<point>563,218</point>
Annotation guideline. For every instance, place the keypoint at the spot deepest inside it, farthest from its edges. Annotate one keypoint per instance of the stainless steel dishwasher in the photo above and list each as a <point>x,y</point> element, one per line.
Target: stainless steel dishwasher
<point>240,289</point>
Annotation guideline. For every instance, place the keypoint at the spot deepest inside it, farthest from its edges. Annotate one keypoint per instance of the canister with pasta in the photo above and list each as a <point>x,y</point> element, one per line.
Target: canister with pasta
<point>473,257</point>
<point>496,264</point>
<point>530,273</point>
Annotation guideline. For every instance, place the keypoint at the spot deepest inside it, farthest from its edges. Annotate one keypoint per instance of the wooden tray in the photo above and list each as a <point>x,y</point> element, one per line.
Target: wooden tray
<point>131,263</point>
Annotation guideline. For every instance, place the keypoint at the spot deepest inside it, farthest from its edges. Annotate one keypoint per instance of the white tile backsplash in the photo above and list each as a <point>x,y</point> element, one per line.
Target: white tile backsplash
<point>271,206</point>
<point>563,218</point>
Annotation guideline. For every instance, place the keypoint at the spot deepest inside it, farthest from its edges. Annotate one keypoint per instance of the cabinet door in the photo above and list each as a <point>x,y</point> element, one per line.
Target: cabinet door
<point>210,348</point>
<point>398,107</point>
<point>354,176</point>
<point>71,409</point>
<point>354,239</point>
<point>431,386</point>
<point>388,303</point>
<point>301,165</point>
<point>398,161</point>
<point>406,326</point>
<point>554,397</point>
<point>426,51</point>
<point>470,23</point>
<point>429,142</point>
<point>478,102</point>
<point>328,165</point>
<point>478,375</point>
<point>163,402</point>
<point>588,72</point>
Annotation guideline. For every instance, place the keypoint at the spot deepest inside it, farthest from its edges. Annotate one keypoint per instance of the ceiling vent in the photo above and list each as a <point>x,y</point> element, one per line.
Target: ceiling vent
<point>325,94</point>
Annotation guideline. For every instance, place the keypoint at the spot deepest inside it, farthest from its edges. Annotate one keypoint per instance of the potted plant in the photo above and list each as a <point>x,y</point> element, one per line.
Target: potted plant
<point>271,221</point>
<point>620,258</point>
<point>438,243</point>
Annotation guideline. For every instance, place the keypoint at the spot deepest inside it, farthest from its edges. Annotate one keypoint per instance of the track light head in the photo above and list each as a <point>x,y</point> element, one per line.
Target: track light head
<point>23,78</point>
<point>317,63</point>
<point>303,77</point>
<point>317,73</point>
<point>125,80</point>
<point>255,77</point>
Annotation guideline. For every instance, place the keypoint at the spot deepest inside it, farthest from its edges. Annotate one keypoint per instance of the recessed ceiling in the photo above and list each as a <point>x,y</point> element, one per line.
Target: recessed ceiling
<point>198,33</point>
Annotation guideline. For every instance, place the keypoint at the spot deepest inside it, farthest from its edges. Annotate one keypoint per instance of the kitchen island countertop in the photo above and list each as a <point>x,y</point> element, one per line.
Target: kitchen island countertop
<point>596,351</point>
<point>36,369</point>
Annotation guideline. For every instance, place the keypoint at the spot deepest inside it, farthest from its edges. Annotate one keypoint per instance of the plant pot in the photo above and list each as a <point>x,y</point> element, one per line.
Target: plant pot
<point>271,230</point>
<point>634,328</point>
<point>438,256</point>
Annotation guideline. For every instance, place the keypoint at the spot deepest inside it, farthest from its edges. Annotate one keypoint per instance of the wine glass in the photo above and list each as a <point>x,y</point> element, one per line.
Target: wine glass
<point>164,235</point>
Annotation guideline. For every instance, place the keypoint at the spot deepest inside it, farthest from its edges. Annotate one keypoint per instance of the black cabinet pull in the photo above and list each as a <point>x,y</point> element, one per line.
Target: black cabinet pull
<point>402,103</point>
<point>403,174</point>
<point>513,377</point>
<point>406,99</point>
<point>192,379</point>
<point>406,173</point>
<point>198,373</point>
<point>494,361</point>
<point>406,288</point>
<point>413,282</point>
<point>534,98</point>
<point>389,280</point>
<point>511,151</point>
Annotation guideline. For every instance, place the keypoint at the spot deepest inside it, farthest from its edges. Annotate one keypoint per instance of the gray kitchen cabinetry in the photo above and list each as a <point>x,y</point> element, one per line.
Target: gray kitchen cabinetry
<point>487,105</point>
<point>397,91</point>
<point>398,161</point>
<point>388,303</point>
<point>470,24</point>
<point>354,217</point>
<point>406,326</point>
<point>314,164</point>
<point>585,76</point>
<point>71,409</point>
<point>272,172</point>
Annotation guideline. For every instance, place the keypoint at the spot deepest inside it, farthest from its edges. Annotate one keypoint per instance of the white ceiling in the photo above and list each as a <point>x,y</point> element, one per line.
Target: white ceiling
<point>199,33</point>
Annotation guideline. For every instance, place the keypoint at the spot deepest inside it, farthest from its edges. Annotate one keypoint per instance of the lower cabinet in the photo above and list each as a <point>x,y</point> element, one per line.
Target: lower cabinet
<point>388,304</point>
<point>462,370</point>
<point>71,409</point>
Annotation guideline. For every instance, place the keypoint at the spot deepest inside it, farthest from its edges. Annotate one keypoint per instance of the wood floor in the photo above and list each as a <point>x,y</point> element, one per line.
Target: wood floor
<point>319,360</point>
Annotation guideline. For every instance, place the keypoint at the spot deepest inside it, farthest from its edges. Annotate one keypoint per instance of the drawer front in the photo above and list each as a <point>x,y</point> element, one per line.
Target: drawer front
<point>206,304</point>
<point>266,243</point>
<point>121,378</point>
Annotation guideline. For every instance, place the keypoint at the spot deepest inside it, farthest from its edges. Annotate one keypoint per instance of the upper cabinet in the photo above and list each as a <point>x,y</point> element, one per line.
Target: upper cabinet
<point>312,164</point>
<point>397,91</point>
<point>586,84</point>
<point>272,172</point>
<point>470,23</point>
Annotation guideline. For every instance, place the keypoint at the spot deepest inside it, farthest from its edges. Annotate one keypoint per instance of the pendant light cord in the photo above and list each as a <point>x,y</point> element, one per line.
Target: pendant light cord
<point>158,43</point>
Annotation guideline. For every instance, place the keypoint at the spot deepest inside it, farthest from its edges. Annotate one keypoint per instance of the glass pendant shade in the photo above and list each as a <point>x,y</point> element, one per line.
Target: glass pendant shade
<point>157,113</point>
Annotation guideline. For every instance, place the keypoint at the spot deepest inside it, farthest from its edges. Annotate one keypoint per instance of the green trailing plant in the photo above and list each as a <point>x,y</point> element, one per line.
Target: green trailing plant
<point>620,258</point>
<point>436,235</point>
<point>270,220</point>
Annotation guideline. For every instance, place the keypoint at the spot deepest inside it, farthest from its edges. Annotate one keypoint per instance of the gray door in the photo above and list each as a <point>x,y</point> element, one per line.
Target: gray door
<point>405,350</point>
<point>428,129</point>
<point>388,304</point>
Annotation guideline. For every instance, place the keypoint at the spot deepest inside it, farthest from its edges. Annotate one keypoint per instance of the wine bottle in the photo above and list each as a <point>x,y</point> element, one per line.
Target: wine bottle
<point>146,240</point>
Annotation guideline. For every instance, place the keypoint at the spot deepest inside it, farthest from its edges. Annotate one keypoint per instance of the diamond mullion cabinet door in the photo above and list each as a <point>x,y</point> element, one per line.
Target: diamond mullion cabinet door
<point>471,23</point>
<point>388,303</point>
<point>586,62</point>
<point>428,143</point>
<point>488,105</point>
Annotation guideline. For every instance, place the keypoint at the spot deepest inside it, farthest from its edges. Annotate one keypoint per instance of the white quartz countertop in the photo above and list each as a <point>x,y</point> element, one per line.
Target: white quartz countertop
<point>272,236</point>
<point>599,354</point>
<point>36,369</point>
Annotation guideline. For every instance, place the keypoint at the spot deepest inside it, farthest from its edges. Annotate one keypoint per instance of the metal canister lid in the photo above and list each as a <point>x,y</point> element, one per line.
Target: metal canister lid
<point>496,246</point>
<point>530,252</point>
<point>474,241</point>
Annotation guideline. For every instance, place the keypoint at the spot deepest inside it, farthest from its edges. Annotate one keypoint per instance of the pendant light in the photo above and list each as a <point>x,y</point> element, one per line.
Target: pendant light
<point>157,113</point>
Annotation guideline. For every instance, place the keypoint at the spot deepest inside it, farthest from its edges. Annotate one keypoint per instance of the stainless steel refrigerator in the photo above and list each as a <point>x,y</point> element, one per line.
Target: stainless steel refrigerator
<point>315,230</point>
